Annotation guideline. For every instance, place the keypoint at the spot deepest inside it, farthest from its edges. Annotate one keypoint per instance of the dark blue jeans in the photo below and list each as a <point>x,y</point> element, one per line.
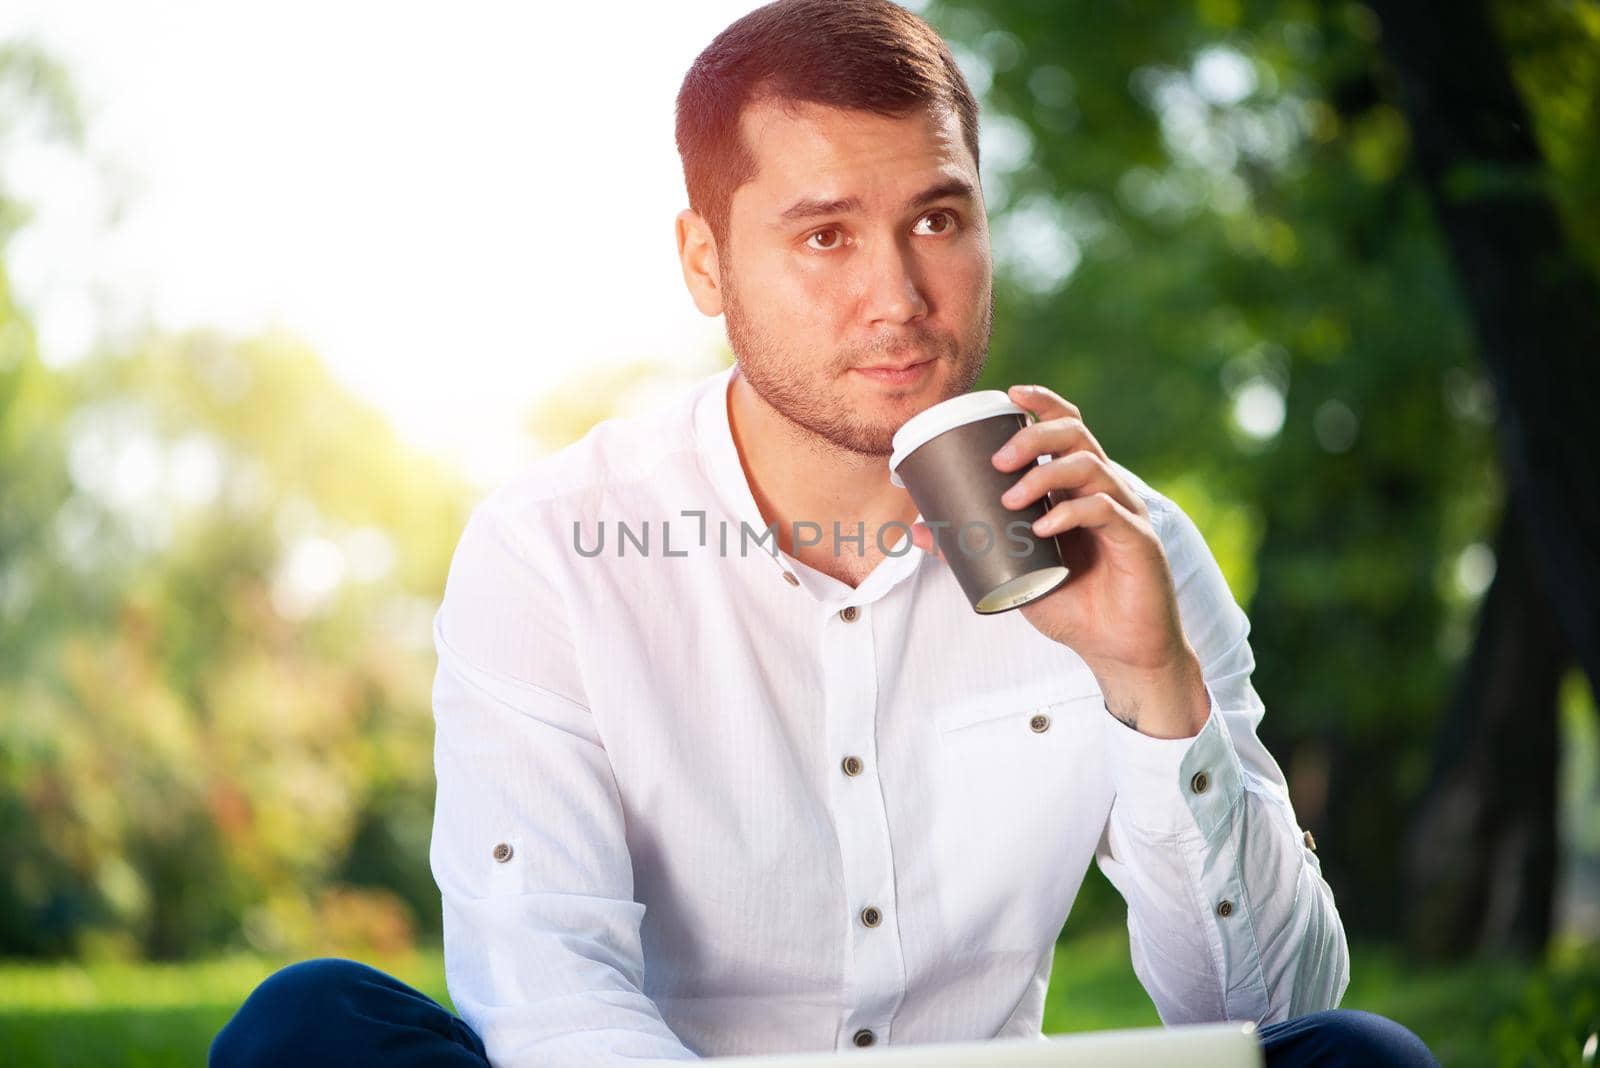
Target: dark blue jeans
<point>330,1012</point>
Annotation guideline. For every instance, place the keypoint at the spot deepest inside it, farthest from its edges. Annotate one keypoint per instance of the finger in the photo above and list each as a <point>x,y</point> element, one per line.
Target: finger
<point>1076,474</point>
<point>922,538</point>
<point>1099,512</point>
<point>1042,402</point>
<point>1056,436</point>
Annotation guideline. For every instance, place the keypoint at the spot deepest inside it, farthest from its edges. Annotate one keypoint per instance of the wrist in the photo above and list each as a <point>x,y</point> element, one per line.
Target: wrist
<point>1168,702</point>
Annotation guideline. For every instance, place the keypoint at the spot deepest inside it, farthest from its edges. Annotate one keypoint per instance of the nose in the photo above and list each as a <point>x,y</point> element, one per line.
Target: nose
<point>892,291</point>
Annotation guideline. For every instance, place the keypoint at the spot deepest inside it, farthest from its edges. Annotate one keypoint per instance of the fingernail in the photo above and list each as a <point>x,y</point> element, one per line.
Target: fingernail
<point>1005,454</point>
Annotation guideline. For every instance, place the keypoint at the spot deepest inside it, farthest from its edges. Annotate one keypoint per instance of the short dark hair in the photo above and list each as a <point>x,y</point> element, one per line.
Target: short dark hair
<point>870,55</point>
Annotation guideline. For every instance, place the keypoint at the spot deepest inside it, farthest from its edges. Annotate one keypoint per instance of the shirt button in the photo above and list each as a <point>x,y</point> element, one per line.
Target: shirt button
<point>864,1037</point>
<point>871,916</point>
<point>502,852</point>
<point>1200,781</point>
<point>1224,908</point>
<point>849,613</point>
<point>1040,723</point>
<point>789,577</point>
<point>851,765</point>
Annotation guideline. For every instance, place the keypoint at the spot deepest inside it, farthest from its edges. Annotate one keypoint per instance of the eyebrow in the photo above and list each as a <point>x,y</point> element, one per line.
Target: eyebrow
<point>809,208</point>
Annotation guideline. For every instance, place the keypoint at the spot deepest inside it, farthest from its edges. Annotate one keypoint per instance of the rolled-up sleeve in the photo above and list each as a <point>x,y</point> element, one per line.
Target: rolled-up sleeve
<point>1228,914</point>
<point>541,931</point>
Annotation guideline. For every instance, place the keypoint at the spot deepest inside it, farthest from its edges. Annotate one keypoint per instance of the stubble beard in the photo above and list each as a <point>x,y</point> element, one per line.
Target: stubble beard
<point>813,403</point>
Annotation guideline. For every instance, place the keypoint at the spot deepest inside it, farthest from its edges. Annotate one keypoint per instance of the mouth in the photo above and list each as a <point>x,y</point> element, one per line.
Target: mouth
<point>904,374</point>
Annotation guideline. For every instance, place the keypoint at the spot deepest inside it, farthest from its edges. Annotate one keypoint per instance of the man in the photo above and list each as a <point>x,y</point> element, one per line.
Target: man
<point>724,768</point>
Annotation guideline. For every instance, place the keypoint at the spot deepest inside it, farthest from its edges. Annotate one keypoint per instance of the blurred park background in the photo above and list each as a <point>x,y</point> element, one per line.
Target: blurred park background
<point>1323,272</point>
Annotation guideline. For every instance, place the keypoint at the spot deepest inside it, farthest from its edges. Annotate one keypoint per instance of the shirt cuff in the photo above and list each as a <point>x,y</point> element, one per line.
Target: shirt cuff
<point>1176,785</point>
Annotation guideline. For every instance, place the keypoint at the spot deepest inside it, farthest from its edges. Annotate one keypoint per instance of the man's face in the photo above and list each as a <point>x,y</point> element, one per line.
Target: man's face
<point>861,243</point>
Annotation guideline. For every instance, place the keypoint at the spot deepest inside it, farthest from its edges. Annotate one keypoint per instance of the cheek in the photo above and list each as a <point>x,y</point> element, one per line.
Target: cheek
<point>974,261</point>
<point>811,296</point>
<point>822,284</point>
<point>961,283</point>
<point>796,306</point>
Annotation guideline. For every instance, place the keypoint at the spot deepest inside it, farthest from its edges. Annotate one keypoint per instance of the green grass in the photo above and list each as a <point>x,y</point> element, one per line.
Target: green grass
<point>149,1015</point>
<point>1485,1013</point>
<point>145,1015</point>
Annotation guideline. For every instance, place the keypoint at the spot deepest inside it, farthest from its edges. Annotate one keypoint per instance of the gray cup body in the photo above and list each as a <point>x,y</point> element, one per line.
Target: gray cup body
<point>998,560</point>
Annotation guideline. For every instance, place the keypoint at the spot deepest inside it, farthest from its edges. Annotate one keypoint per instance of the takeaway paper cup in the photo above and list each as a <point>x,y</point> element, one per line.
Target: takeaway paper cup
<point>941,456</point>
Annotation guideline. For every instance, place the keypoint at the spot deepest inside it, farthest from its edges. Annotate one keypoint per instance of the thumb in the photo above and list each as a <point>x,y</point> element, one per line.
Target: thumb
<point>922,537</point>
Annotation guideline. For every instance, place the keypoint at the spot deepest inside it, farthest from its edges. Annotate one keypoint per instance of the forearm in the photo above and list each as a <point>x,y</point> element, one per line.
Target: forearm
<point>1228,911</point>
<point>1229,915</point>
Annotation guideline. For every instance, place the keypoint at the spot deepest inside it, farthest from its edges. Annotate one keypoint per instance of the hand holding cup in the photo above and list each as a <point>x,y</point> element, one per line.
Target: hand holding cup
<point>1118,610</point>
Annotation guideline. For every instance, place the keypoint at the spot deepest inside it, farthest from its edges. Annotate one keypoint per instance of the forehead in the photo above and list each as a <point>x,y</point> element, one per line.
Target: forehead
<point>809,150</point>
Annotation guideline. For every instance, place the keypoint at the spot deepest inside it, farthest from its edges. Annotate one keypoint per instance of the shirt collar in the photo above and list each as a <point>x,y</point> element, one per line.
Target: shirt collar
<point>725,469</point>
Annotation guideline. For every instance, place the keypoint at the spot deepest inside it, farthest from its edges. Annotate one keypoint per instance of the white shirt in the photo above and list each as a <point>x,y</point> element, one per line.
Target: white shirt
<point>647,840</point>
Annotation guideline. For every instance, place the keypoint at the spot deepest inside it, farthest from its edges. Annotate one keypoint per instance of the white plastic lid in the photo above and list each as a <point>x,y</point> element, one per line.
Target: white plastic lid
<point>947,415</point>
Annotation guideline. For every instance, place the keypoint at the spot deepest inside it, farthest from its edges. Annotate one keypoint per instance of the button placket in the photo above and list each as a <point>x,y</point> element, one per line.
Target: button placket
<point>873,956</point>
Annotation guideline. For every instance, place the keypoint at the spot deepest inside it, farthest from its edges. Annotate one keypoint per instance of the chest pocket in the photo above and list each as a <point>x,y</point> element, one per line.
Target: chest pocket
<point>1014,746</point>
<point>1025,784</point>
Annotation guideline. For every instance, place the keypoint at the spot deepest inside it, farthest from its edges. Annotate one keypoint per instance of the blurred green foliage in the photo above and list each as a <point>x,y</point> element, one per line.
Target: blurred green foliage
<point>217,575</point>
<point>223,734</point>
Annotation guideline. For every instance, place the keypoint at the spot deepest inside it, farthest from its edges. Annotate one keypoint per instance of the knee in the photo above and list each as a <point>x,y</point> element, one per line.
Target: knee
<point>285,1012</point>
<point>323,982</point>
<point>1355,1037</point>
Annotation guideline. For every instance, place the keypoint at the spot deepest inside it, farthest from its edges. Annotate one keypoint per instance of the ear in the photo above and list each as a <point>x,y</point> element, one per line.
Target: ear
<point>697,252</point>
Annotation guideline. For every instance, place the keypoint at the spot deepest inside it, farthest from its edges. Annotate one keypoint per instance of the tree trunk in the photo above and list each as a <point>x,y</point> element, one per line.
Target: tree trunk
<point>1535,306</point>
<point>1481,855</point>
<point>1537,316</point>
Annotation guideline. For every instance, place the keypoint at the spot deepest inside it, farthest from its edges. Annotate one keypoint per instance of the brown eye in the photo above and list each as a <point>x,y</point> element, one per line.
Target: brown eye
<point>825,245</point>
<point>945,221</point>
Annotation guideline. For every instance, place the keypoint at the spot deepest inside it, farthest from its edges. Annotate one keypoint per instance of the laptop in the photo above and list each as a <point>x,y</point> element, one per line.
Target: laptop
<point>1220,1045</point>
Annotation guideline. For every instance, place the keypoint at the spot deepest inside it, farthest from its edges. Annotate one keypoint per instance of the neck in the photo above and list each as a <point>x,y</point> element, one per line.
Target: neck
<point>798,478</point>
